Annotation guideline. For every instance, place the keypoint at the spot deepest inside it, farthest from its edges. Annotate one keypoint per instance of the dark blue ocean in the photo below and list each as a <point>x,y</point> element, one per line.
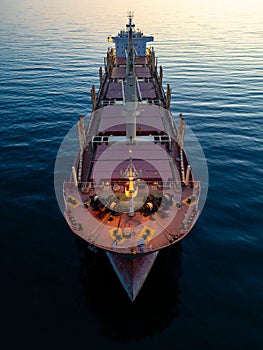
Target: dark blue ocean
<point>206,293</point>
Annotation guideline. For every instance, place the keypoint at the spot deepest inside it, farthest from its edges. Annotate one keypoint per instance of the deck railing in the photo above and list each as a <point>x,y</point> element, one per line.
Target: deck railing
<point>175,185</point>
<point>76,197</point>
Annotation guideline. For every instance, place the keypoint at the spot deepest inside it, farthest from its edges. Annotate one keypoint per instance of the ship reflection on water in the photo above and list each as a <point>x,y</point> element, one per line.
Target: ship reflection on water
<point>154,309</point>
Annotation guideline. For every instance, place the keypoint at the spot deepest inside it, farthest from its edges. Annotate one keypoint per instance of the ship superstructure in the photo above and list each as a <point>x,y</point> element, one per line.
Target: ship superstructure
<point>132,190</point>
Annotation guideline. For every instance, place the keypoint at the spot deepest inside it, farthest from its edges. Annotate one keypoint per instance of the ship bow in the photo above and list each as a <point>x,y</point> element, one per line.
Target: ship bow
<point>132,272</point>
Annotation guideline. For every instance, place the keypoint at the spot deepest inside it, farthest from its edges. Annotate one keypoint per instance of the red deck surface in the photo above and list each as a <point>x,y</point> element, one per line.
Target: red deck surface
<point>107,159</point>
<point>149,118</point>
<point>160,174</point>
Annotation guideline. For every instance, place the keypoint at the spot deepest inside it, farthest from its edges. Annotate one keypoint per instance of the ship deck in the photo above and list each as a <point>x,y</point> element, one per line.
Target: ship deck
<point>165,209</point>
<point>118,232</point>
<point>114,85</point>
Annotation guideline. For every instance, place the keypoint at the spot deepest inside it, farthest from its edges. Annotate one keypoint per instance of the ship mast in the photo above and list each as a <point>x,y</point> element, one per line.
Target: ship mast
<point>131,89</point>
<point>131,191</point>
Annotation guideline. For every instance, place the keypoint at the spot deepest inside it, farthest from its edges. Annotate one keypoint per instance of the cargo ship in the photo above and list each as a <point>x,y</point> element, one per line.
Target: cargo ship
<point>131,191</point>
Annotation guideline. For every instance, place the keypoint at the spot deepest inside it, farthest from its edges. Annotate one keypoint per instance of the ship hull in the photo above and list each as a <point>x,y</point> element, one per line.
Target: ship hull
<point>132,190</point>
<point>132,272</point>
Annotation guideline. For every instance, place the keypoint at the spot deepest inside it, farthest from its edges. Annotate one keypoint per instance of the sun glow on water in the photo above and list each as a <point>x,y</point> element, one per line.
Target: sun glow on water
<point>167,20</point>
